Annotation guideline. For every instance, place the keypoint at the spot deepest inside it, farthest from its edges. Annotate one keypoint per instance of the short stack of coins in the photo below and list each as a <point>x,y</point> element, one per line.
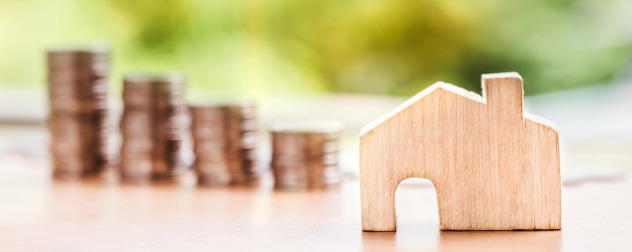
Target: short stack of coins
<point>154,126</point>
<point>78,117</point>
<point>224,142</point>
<point>305,154</point>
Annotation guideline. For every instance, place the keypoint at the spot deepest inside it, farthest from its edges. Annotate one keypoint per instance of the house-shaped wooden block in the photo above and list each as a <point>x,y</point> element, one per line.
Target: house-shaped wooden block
<point>493,166</point>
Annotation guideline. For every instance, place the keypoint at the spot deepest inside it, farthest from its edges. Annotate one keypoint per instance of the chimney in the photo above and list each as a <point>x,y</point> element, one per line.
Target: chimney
<point>503,92</point>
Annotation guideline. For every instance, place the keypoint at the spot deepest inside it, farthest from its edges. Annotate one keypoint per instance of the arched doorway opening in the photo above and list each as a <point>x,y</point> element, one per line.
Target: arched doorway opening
<point>416,205</point>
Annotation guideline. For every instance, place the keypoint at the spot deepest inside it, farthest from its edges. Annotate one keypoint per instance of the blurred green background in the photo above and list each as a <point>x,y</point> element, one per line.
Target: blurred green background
<point>362,46</point>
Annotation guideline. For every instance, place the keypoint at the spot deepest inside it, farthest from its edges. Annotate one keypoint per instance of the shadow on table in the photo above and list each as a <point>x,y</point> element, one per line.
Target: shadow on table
<point>417,236</point>
<point>500,240</point>
<point>426,236</point>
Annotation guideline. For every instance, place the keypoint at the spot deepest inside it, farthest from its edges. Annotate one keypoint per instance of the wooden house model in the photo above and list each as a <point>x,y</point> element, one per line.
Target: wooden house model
<point>493,166</point>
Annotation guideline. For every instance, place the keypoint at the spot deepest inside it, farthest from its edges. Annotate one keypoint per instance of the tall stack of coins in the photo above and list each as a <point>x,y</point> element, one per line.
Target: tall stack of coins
<point>305,154</point>
<point>154,125</point>
<point>225,141</point>
<point>78,116</point>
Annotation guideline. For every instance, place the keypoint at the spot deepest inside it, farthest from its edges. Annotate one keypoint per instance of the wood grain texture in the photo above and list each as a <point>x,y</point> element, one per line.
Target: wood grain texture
<point>493,167</point>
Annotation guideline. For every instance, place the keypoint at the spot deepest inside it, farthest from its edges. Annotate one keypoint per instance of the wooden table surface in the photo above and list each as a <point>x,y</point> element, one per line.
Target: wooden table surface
<point>39,214</point>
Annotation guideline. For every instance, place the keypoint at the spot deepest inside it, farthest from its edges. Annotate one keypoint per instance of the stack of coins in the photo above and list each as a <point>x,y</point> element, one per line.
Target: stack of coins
<point>305,154</point>
<point>78,116</point>
<point>224,142</point>
<point>154,125</point>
